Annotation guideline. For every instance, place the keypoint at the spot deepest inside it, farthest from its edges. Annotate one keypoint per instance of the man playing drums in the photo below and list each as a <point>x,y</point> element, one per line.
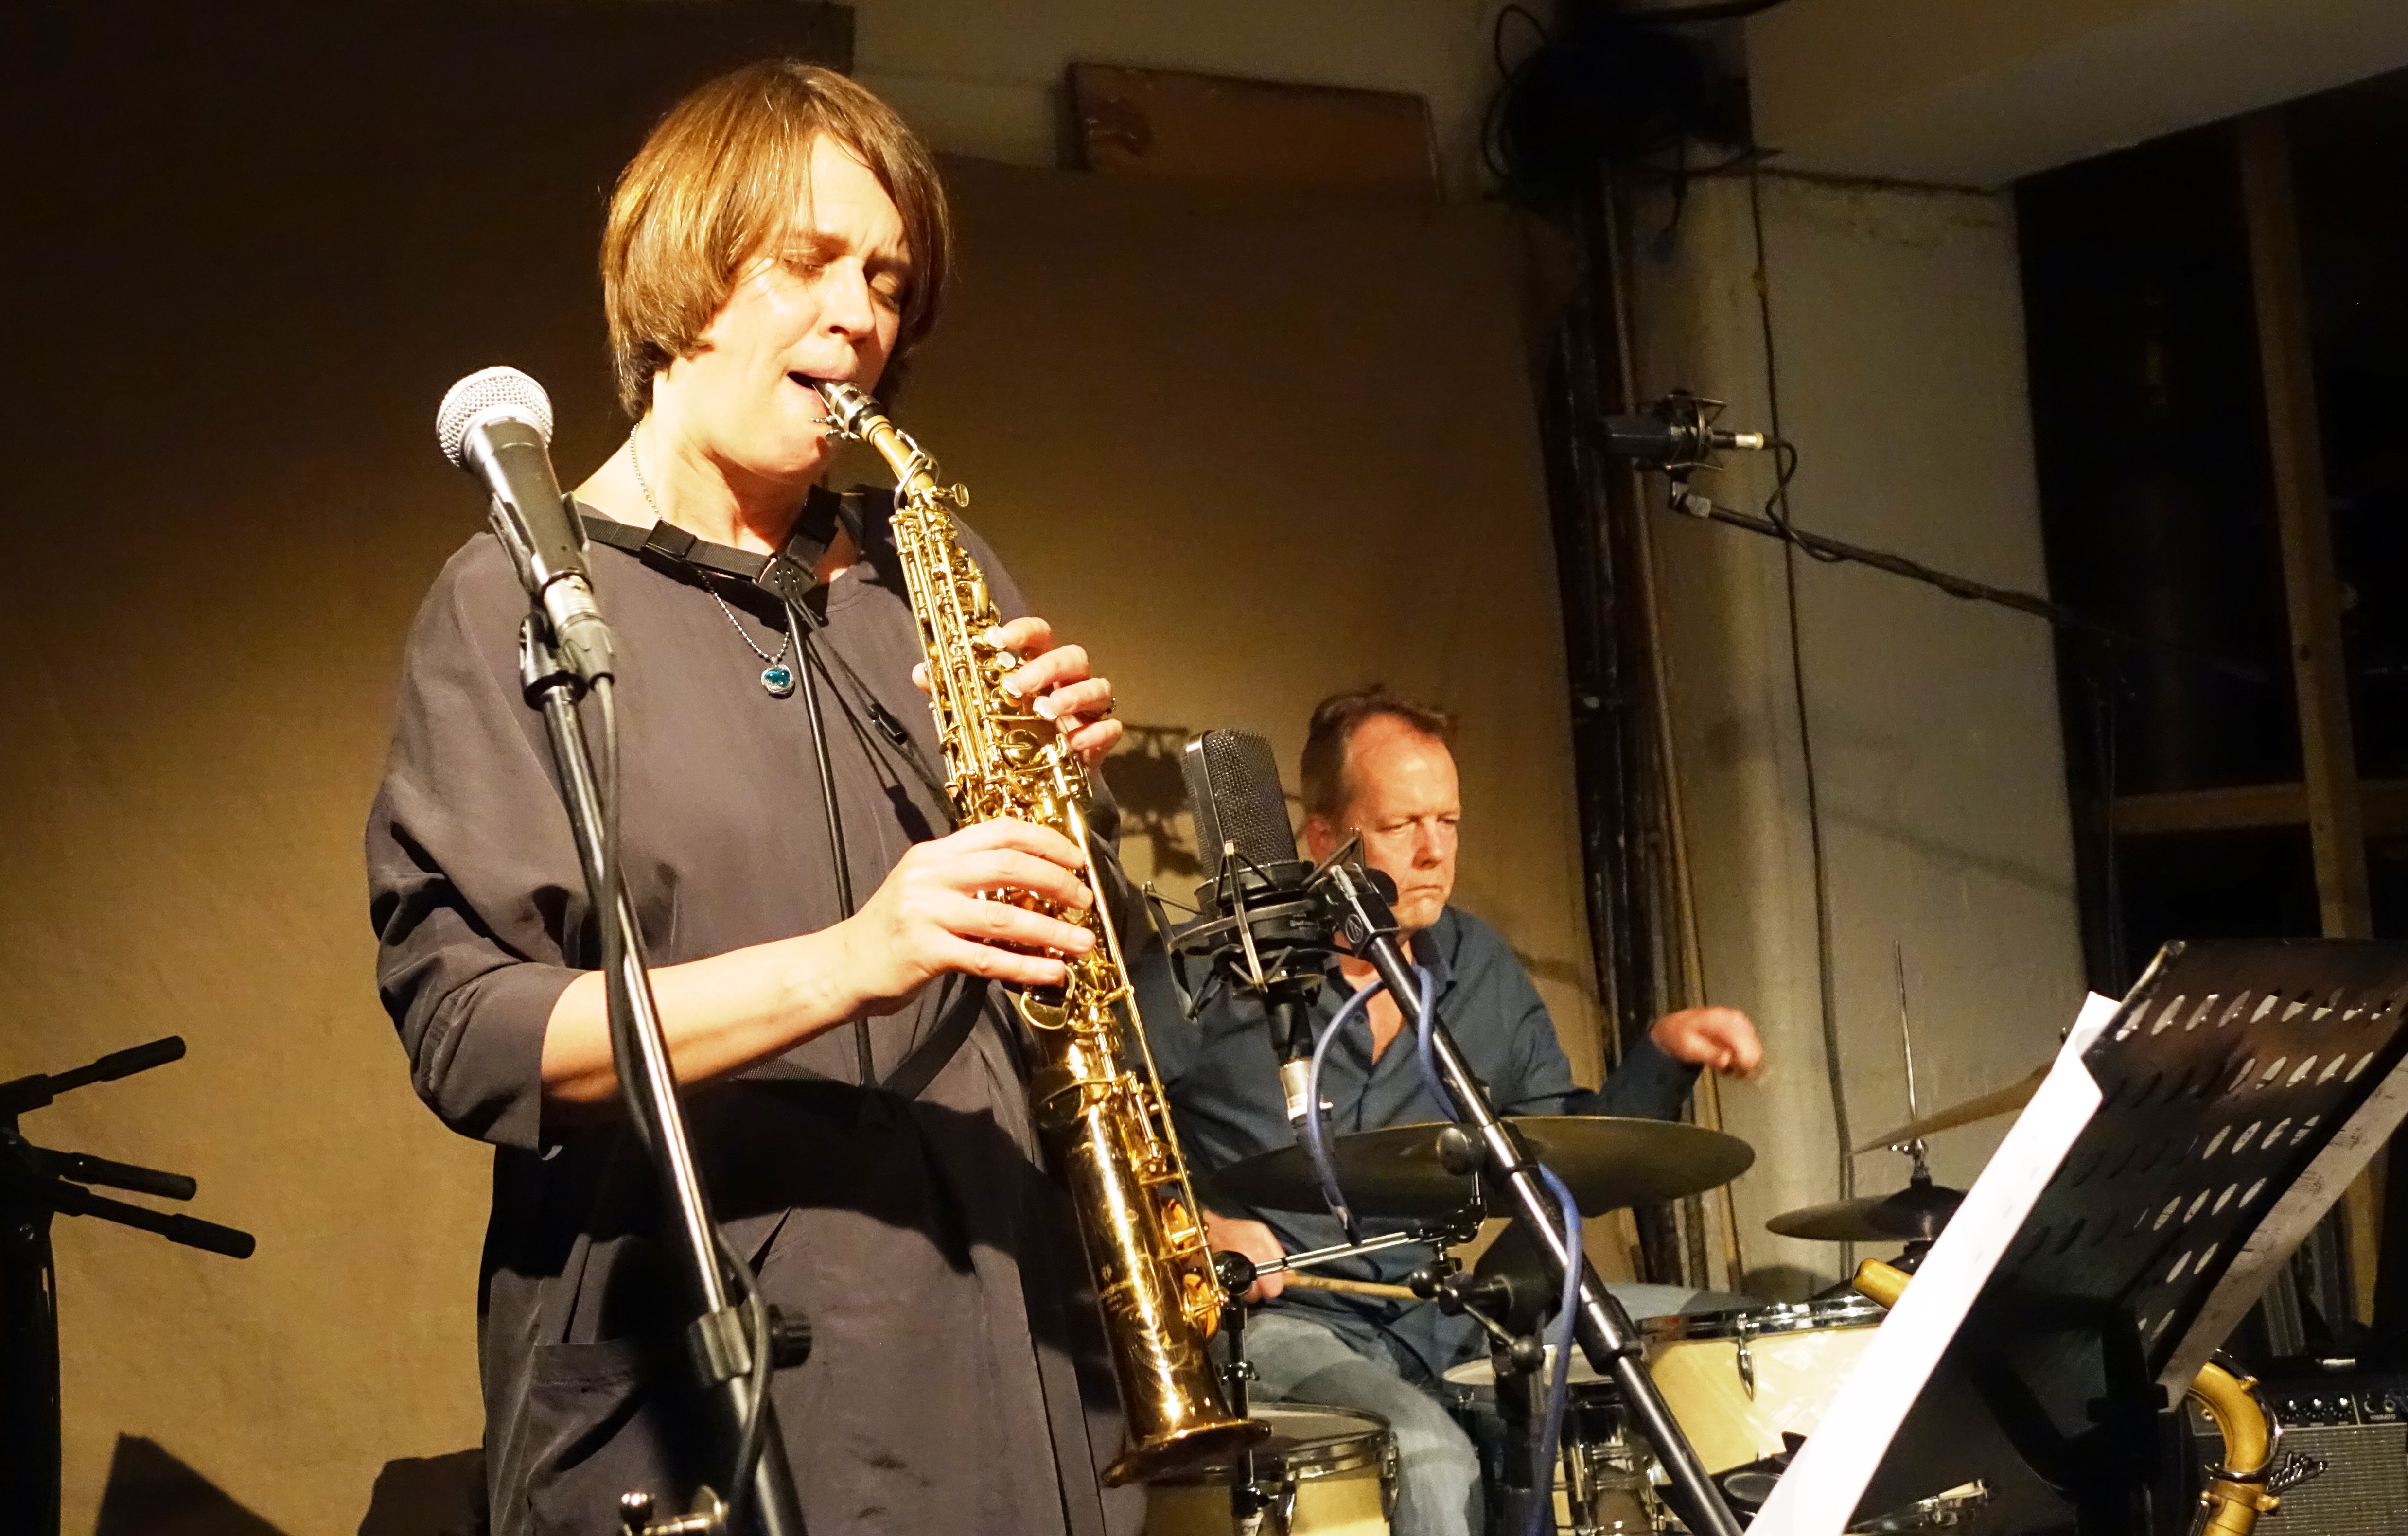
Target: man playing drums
<point>1379,764</point>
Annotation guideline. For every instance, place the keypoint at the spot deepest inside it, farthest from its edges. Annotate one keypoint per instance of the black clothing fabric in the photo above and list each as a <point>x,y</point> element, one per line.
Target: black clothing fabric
<point>1222,1077</point>
<point>956,1380</point>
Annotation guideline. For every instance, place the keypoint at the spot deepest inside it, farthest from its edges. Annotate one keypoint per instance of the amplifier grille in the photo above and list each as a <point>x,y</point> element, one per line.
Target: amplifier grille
<point>2356,1428</point>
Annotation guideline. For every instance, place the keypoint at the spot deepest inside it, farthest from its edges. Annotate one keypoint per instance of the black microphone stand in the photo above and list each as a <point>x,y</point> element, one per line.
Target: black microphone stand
<point>34,1185</point>
<point>1361,915</point>
<point>726,1347</point>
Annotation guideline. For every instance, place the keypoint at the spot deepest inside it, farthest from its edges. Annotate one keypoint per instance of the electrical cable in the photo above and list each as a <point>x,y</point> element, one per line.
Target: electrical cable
<point>754,1434</point>
<point>1826,987</point>
<point>1316,1141</point>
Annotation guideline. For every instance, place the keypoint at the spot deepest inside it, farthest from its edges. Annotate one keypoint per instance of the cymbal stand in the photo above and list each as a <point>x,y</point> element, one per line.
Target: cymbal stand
<point>1361,913</point>
<point>35,1184</point>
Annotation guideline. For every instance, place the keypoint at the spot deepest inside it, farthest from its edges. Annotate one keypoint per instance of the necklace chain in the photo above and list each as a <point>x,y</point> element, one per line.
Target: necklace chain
<point>637,464</point>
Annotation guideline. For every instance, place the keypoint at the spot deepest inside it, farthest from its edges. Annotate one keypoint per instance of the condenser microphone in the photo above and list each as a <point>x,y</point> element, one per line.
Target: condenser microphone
<point>1260,927</point>
<point>1240,811</point>
<point>496,425</point>
<point>1676,431</point>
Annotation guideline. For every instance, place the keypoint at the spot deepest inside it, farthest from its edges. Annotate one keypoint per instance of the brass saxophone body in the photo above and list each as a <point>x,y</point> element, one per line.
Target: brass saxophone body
<point>1102,1117</point>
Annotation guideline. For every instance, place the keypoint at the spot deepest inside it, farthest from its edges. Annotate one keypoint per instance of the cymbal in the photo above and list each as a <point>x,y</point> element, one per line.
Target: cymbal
<point>1913,1214</point>
<point>1608,1162</point>
<point>2006,1101</point>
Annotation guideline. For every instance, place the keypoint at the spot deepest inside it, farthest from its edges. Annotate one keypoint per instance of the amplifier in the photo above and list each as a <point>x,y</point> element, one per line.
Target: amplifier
<point>2356,1422</point>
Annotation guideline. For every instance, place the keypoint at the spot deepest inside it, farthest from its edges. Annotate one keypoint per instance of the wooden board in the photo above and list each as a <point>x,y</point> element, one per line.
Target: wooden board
<point>1217,127</point>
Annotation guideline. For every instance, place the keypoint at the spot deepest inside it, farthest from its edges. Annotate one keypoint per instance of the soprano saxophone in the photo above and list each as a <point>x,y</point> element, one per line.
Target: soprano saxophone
<point>1102,1118</point>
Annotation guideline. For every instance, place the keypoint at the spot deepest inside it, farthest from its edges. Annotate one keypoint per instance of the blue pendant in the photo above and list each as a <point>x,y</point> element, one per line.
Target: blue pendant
<point>779,680</point>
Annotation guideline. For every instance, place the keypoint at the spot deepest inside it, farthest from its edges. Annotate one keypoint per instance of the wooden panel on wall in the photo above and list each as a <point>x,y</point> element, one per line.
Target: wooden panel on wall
<point>1170,122</point>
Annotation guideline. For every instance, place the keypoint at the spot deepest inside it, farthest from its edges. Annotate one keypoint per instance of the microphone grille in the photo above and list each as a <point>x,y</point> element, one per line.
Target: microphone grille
<point>485,393</point>
<point>1233,790</point>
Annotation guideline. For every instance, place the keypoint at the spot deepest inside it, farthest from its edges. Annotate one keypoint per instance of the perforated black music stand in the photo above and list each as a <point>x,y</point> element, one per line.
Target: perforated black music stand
<point>2244,1084</point>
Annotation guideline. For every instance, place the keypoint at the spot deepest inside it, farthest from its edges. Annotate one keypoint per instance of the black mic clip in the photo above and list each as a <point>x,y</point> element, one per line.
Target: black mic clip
<point>1354,898</point>
<point>1675,434</point>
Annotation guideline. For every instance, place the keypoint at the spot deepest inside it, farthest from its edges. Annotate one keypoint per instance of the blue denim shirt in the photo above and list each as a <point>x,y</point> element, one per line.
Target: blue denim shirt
<point>1222,1079</point>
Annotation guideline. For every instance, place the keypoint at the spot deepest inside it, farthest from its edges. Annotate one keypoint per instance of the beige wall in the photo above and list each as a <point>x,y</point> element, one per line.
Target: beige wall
<point>1247,451</point>
<point>1979,92</point>
<point>984,79</point>
<point>1253,450</point>
<point>1896,320</point>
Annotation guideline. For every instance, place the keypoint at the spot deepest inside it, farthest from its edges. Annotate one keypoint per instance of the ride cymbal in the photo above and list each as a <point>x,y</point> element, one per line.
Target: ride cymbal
<point>2006,1101</point>
<point>1607,1161</point>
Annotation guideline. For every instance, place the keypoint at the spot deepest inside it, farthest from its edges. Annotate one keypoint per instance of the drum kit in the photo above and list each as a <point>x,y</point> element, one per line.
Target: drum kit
<point>1746,1385</point>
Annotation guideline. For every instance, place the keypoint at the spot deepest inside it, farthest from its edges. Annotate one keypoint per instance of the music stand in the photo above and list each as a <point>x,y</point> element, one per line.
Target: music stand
<point>2239,1087</point>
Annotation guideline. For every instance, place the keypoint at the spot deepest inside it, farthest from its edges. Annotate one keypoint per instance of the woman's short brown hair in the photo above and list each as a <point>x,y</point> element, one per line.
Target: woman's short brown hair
<point>1332,732</point>
<point>721,177</point>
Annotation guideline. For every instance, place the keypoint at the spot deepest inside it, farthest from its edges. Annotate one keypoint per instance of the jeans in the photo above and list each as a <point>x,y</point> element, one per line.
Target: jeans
<point>1438,1467</point>
<point>1438,1470</point>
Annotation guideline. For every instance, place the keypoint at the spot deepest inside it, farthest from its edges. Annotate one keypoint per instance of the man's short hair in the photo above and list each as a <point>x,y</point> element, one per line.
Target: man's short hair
<point>1332,731</point>
<point>721,179</point>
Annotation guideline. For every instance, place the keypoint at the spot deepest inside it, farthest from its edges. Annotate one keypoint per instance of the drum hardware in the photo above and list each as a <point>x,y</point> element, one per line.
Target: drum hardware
<point>1451,1229</point>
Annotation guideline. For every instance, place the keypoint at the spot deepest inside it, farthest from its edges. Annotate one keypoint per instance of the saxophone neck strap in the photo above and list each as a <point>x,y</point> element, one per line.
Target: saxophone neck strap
<point>787,576</point>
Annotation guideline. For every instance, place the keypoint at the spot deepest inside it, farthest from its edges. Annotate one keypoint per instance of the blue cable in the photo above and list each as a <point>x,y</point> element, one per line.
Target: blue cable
<point>1316,1140</point>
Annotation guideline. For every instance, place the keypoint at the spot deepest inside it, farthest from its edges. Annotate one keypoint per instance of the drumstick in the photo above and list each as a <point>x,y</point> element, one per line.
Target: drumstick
<point>1351,1288</point>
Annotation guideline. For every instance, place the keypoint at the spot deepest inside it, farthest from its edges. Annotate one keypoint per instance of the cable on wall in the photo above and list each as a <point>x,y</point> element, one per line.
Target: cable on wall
<point>1825,979</point>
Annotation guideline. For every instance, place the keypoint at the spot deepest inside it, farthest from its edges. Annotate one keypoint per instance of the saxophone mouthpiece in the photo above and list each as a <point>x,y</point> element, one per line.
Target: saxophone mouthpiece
<point>848,407</point>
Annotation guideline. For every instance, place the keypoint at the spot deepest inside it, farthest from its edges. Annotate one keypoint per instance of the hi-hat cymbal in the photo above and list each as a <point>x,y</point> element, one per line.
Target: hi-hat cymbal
<point>1913,1214</point>
<point>1607,1162</point>
<point>2006,1101</point>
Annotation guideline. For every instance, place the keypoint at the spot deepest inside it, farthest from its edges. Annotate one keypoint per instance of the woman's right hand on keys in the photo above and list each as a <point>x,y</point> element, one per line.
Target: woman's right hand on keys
<point>929,917</point>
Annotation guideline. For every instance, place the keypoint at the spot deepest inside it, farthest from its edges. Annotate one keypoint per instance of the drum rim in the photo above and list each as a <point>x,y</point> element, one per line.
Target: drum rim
<point>1837,1313</point>
<point>1368,1446</point>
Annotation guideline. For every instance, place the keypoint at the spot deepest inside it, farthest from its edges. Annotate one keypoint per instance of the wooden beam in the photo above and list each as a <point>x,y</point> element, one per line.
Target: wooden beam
<point>2287,362</point>
<point>2336,831</point>
<point>2383,808</point>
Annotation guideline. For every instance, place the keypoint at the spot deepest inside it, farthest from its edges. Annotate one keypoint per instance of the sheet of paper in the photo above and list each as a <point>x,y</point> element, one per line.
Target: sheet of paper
<point>1820,1492</point>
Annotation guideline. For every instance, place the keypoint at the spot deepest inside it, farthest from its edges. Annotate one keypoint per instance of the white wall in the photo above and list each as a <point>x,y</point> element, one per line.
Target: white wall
<point>1977,94</point>
<point>1898,328</point>
<point>984,79</point>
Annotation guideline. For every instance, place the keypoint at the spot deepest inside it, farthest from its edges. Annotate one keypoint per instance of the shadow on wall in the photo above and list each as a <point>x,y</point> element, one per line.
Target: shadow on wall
<point>1144,776</point>
<point>152,1493</point>
<point>429,1496</point>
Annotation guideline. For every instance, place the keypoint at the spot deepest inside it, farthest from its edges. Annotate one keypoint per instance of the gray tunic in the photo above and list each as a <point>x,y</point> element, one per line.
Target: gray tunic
<point>955,1381</point>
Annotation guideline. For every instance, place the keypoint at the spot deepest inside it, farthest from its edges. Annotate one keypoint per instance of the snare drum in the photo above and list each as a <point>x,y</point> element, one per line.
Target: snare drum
<point>1737,1381</point>
<point>1328,1472</point>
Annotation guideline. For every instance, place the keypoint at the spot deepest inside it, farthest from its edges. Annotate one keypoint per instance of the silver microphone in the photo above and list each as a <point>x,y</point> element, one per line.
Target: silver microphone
<point>496,425</point>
